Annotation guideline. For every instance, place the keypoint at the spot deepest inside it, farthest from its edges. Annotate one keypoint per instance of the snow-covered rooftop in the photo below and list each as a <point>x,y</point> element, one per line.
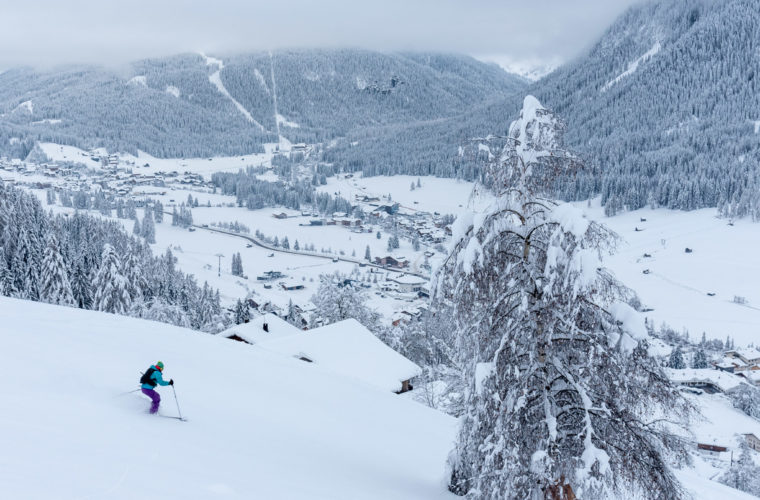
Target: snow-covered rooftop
<point>725,381</point>
<point>408,279</point>
<point>348,348</point>
<point>253,331</point>
<point>747,353</point>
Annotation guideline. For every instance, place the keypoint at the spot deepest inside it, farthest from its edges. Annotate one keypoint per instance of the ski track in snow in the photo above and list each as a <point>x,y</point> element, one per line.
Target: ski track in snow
<point>274,93</point>
<point>216,79</point>
<point>633,66</point>
<point>260,79</point>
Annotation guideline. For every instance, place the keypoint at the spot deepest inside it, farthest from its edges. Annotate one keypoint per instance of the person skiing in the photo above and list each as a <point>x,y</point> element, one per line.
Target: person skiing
<point>149,380</point>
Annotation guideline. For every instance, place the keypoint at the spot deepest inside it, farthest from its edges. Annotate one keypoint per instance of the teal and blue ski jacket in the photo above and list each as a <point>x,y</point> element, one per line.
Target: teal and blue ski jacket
<point>156,377</point>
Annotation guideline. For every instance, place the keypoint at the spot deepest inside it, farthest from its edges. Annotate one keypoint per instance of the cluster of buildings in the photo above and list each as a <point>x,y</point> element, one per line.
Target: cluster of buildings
<point>114,180</point>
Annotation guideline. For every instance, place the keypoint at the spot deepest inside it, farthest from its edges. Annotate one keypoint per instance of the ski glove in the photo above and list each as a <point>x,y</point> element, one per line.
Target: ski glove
<point>171,381</point>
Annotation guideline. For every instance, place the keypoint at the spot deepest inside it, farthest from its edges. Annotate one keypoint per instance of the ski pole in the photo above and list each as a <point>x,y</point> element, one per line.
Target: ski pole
<point>176,401</point>
<point>128,392</point>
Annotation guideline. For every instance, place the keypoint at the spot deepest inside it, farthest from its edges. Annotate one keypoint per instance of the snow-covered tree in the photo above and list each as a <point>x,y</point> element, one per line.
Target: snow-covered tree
<point>137,228</point>
<point>296,246</point>
<point>337,299</point>
<point>700,359</point>
<point>148,226</point>
<point>367,255</point>
<point>55,287</point>
<point>111,290</point>
<point>285,243</point>
<point>743,474</point>
<point>158,211</point>
<point>560,388</point>
<point>242,313</point>
<point>676,359</point>
<point>237,264</point>
<point>747,399</point>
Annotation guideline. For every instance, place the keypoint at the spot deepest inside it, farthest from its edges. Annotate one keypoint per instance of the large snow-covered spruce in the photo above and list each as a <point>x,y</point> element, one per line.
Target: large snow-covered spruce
<point>562,396</point>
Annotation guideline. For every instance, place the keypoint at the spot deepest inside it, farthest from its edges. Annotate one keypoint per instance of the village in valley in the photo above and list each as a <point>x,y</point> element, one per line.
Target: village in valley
<point>383,247</point>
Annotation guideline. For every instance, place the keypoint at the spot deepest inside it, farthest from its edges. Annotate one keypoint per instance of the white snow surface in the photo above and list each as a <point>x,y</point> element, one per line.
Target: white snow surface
<point>285,122</point>
<point>633,66</point>
<point>26,106</point>
<point>260,425</point>
<point>446,196</point>
<point>49,121</point>
<point>171,89</point>
<point>260,79</point>
<point>138,80</point>
<point>723,262</point>
<point>349,349</point>
<point>253,332</point>
<point>757,126</point>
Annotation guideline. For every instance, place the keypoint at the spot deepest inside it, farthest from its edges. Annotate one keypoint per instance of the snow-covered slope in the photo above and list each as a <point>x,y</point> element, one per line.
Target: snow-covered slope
<point>693,290</point>
<point>260,425</point>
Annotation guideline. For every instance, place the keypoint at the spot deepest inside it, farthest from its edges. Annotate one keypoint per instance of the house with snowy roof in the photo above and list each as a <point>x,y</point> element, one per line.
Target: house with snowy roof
<point>261,328</point>
<point>350,349</point>
<point>347,348</point>
<point>409,283</point>
<point>744,359</point>
<point>710,381</point>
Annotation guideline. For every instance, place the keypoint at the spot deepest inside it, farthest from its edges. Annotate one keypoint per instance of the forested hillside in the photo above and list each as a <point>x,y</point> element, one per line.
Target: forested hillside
<point>194,105</point>
<point>667,104</point>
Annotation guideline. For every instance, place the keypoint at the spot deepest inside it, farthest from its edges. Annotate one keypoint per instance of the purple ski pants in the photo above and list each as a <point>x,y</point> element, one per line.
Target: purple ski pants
<point>153,395</point>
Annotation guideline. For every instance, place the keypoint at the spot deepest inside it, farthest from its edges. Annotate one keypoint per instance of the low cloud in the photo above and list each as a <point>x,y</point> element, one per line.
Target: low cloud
<point>51,32</point>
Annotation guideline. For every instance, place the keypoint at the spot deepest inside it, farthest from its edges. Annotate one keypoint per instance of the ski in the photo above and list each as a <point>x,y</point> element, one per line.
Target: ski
<point>182,419</point>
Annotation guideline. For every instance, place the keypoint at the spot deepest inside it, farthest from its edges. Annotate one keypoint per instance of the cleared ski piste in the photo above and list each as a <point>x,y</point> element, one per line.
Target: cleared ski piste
<point>260,425</point>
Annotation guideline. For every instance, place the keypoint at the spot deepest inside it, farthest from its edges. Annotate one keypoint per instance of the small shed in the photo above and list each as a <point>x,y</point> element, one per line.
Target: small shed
<point>712,449</point>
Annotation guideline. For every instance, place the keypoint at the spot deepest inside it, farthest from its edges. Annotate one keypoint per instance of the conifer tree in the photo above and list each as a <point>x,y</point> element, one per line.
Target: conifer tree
<point>676,359</point>
<point>55,287</point>
<point>148,227</point>
<point>110,286</point>
<point>700,360</point>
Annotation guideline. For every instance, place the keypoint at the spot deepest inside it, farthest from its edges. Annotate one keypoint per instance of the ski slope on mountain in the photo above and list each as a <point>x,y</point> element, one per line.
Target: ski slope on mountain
<point>260,425</point>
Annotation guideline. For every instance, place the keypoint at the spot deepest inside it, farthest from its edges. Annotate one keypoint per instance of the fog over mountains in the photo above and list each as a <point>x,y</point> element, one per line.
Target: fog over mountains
<point>665,105</point>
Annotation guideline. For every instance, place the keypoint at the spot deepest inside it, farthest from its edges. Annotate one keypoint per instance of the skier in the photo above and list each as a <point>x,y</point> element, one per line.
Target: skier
<point>149,380</point>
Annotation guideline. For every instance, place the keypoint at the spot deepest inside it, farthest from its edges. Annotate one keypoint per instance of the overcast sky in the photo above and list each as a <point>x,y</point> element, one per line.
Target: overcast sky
<point>49,32</point>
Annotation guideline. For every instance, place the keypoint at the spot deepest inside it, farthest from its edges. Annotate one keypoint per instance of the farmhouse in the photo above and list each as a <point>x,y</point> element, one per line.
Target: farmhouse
<point>291,285</point>
<point>391,261</point>
<point>752,441</point>
<point>710,381</point>
<point>266,327</point>
<point>270,275</point>
<point>346,348</point>
<point>748,356</point>
<point>408,283</point>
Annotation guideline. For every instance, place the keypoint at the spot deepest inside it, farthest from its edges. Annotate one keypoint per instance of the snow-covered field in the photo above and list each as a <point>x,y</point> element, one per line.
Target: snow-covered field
<point>723,262</point>
<point>260,425</point>
<point>445,196</point>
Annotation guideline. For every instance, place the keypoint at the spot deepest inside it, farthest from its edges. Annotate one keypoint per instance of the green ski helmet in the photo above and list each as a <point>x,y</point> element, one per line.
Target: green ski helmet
<point>160,366</point>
